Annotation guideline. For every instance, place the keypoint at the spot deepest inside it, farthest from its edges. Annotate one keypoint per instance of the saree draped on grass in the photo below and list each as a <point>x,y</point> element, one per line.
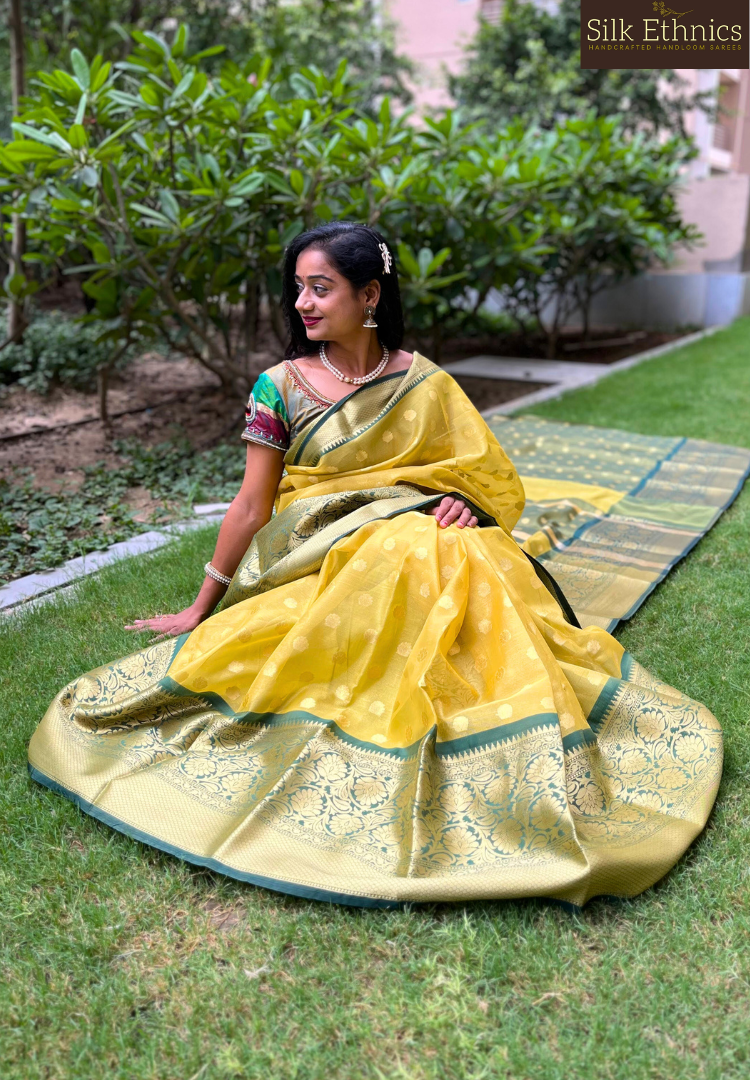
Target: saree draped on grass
<point>387,711</point>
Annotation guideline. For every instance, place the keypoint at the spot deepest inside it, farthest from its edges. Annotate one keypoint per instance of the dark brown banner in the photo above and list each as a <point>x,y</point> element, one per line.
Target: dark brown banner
<point>651,34</point>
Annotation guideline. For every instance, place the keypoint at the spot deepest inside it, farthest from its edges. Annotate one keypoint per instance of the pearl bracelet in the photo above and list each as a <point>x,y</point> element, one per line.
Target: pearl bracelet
<point>212,572</point>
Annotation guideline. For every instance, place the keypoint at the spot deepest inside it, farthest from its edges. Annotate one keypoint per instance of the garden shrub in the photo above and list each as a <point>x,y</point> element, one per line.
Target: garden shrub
<point>57,351</point>
<point>183,187</point>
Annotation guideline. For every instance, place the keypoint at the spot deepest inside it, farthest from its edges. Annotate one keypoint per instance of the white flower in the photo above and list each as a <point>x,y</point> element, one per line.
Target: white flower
<point>290,602</point>
<point>300,644</point>
<point>307,703</point>
<point>404,648</point>
<point>505,712</point>
<point>332,620</point>
<point>359,564</point>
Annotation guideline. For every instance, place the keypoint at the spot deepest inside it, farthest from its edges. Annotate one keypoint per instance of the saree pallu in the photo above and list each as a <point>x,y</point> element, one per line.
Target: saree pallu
<point>387,711</point>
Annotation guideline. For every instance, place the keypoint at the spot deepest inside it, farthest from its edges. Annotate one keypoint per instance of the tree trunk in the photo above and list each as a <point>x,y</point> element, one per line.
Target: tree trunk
<point>250,319</point>
<point>437,342</point>
<point>102,384</point>
<point>277,319</point>
<point>16,320</point>
<point>586,313</point>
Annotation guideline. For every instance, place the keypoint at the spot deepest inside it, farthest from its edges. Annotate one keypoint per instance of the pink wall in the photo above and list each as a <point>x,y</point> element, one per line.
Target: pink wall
<point>432,33</point>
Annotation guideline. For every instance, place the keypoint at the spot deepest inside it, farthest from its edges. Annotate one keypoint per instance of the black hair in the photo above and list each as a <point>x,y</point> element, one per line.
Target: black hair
<point>353,251</point>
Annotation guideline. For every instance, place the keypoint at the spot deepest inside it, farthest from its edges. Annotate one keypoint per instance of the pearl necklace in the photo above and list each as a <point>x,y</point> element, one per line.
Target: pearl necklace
<point>345,378</point>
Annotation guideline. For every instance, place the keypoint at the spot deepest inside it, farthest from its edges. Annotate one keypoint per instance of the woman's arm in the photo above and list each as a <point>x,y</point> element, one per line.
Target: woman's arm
<point>250,510</point>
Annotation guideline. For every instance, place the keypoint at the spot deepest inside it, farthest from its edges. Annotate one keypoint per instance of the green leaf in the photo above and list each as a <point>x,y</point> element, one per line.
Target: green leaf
<point>296,181</point>
<point>248,185</point>
<point>81,68</point>
<point>180,40</point>
<point>78,137</point>
<point>214,50</point>
<point>407,260</point>
<point>98,80</point>
<point>169,205</point>
<point>25,150</point>
<point>290,232</point>
<point>89,176</point>
<point>81,111</point>
<point>150,94</point>
<point>184,84</point>
<point>152,42</point>
<point>50,138</point>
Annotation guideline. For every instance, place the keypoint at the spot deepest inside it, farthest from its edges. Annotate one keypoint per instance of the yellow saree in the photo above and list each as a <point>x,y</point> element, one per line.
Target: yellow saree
<point>387,711</point>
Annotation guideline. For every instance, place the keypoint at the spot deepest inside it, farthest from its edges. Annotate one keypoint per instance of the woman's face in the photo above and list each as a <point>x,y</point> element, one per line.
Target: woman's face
<point>331,309</point>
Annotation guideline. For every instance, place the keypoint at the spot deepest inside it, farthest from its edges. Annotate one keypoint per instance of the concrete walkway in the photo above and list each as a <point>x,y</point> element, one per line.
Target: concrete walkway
<point>560,375</point>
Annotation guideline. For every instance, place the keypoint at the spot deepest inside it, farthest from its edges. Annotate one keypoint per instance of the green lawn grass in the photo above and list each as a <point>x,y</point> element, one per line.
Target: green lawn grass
<point>119,961</point>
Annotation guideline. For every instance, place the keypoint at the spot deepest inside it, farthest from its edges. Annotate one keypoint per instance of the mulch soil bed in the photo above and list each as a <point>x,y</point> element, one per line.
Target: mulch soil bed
<point>177,398</point>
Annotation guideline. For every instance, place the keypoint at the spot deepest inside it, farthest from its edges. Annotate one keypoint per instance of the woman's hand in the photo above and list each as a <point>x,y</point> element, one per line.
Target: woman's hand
<point>453,511</point>
<point>170,625</point>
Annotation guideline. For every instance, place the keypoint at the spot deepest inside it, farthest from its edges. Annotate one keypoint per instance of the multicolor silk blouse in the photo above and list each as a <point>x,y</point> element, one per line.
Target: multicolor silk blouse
<point>281,403</point>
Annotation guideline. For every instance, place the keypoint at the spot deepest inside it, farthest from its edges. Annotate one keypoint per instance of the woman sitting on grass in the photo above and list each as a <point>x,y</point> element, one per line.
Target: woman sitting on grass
<point>394,702</point>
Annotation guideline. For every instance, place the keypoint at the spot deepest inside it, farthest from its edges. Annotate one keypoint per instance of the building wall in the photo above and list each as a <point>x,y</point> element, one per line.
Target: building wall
<point>433,33</point>
<point>706,285</point>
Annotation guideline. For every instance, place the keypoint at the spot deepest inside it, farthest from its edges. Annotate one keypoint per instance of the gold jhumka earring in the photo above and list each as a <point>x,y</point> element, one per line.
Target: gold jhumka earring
<point>369,320</point>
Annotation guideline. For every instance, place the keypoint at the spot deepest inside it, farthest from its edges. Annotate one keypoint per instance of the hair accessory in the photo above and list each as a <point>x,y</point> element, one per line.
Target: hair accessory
<point>369,318</point>
<point>345,378</point>
<point>212,572</point>
<point>387,258</point>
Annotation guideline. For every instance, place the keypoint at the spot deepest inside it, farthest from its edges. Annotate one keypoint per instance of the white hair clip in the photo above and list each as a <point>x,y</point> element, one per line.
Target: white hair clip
<point>387,258</point>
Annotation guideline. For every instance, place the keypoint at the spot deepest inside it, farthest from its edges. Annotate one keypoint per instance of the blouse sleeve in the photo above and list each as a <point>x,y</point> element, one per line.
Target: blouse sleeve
<point>266,417</point>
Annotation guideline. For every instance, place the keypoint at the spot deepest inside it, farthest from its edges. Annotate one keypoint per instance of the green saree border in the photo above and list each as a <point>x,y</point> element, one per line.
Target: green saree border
<point>391,404</point>
<point>449,748</point>
<point>206,862</point>
<point>332,409</point>
<point>287,888</point>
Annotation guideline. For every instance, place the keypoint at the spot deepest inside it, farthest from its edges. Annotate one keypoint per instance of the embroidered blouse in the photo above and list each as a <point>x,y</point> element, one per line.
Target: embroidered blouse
<point>282,402</point>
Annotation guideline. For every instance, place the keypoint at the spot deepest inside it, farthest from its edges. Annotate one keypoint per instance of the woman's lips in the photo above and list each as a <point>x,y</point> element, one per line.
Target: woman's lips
<point>310,322</point>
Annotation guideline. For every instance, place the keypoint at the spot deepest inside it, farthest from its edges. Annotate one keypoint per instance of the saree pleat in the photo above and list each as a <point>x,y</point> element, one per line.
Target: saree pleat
<point>386,711</point>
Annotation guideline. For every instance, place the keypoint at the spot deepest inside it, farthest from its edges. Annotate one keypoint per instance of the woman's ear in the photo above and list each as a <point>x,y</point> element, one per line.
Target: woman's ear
<point>372,293</point>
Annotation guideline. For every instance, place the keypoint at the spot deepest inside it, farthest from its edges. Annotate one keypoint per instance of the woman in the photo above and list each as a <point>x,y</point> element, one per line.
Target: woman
<point>392,703</point>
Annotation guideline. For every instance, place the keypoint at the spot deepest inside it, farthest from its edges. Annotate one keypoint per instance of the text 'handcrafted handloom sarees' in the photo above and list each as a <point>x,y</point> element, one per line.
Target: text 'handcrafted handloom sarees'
<point>387,711</point>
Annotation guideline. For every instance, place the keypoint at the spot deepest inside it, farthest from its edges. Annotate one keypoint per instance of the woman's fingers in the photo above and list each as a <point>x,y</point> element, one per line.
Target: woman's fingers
<point>439,511</point>
<point>157,623</point>
<point>453,513</point>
